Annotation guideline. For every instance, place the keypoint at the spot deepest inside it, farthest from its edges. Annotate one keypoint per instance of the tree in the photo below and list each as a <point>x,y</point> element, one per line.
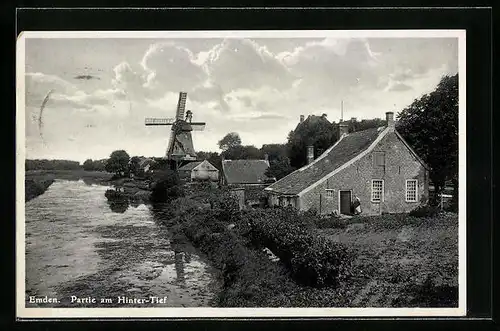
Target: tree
<point>167,188</point>
<point>240,152</point>
<point>230,140</point>
<point>134,166</point>
<point>354,125</point>
<point>274,151</point>
<point>100,165</point>
<point>118,163</point>
<point>88,165</point>
<point>212,157</point>
<point>316,131</point>
<point>279,168</point>
<point>430,126</point>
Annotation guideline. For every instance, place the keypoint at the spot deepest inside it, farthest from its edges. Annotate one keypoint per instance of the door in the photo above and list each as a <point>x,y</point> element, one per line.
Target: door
<point>345,202</point>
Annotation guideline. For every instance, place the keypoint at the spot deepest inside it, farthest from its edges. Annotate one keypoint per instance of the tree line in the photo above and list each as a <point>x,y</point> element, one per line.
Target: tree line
<point>43,164</point>
<point>429,125</point>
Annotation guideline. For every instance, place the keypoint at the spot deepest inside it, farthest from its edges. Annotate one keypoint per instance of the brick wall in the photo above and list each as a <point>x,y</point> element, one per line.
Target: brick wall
<point>400,165</point>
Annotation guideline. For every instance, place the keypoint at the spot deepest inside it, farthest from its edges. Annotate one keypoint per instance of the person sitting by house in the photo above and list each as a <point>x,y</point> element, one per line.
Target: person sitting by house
<point>356,206</point>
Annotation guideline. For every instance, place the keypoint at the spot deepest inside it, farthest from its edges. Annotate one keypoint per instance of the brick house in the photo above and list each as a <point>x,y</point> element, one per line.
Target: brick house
<point>375,165</point>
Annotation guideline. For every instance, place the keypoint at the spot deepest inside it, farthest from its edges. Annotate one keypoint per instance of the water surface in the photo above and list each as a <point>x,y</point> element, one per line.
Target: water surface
<point>79,244</point>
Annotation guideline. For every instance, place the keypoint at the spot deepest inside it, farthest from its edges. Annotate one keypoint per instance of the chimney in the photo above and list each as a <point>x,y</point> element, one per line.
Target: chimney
<point>310,154</point>
<point>389,116</point>
<point>343,129</point>
<point>301,118</point>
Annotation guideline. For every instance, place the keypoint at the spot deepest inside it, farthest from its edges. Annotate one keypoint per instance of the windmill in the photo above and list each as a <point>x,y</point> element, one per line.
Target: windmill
<point>180,145</point>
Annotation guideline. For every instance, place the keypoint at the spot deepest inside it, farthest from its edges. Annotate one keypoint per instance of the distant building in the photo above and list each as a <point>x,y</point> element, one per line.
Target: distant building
<point>244,172</point>
<point>145,164</point>
<point>199,170</point>
<point>375,165</point>
<point>247,179</point>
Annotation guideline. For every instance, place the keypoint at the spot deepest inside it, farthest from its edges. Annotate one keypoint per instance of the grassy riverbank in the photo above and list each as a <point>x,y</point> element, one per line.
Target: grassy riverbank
<point>34,188</point>
<point>385,261</point>
<point>96,176</point>
<point>38,181</point>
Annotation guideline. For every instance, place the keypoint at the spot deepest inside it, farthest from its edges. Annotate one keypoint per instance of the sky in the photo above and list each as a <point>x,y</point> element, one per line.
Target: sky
<point>103,89</point>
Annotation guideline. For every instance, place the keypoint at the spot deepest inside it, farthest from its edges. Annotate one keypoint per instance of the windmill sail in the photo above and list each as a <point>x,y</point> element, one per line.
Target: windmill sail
<point>158,121</point>
<point>180,144</point>
<point>170,144</point>
<point>181,106</point>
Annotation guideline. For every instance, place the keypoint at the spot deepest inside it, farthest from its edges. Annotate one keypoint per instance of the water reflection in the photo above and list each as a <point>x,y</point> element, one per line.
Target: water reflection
<point>123,253</point>
<point>119,202</point>
<point>179,266</point>
<point>118,205</point>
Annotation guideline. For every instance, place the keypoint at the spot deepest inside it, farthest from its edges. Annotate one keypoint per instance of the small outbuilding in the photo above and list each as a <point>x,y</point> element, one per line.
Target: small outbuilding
<point>199,171</point>
<point>246,179</point>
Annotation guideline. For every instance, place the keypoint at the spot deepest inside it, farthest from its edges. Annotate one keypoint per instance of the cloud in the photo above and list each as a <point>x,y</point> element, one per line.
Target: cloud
<point>242,63</point>
<point>400,87</point>
<point>171,67</point>
<point>270,117</point>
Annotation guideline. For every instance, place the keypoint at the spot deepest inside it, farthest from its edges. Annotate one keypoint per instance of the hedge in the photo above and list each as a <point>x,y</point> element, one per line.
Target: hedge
<point>313,260</point>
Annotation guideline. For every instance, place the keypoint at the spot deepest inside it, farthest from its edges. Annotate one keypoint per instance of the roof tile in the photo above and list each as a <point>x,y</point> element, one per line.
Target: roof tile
<point>245,171</point>
<point>346,149</point>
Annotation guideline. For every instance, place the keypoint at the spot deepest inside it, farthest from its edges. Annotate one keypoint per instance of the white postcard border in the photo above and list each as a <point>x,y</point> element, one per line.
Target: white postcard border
<point>202,312</point>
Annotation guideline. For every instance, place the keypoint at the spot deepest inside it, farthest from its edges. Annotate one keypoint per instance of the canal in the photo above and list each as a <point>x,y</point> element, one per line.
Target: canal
<point>79,244</point>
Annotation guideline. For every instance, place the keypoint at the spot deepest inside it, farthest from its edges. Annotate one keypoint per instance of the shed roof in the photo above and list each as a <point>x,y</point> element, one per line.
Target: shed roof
<point>190,166</point>
<point>343,151</point>
<point>145,161</point>
<point>245,171</point>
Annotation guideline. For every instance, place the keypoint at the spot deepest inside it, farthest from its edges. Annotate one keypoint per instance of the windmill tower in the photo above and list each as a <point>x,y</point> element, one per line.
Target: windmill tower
<point>180,145</point>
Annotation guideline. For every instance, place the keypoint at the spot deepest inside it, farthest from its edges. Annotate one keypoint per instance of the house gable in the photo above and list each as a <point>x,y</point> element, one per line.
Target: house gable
<point>205,166</point>
<point>349,162</point>
<point>358,177</point>
<point>400,137</point>
<point>190,166</point>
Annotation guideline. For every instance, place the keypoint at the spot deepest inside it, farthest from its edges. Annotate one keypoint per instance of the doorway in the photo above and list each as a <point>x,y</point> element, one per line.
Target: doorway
<point>345,199</point>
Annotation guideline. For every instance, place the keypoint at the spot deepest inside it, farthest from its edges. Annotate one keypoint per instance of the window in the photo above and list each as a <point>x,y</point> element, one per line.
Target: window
<point>377,190</point>
<point>411,190</point>
<point>329,193</point>
<point>379,159</point>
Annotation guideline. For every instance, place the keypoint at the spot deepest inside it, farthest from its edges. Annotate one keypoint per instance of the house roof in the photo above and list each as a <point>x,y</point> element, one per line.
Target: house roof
<point>206,166</point>
<point>245,171</point>
<point>190,166</point>
<point>145,161</point>
<point>343,151</point>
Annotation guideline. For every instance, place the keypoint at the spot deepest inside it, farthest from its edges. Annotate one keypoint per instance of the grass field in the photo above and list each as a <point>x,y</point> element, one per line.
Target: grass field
<point>402,260</point>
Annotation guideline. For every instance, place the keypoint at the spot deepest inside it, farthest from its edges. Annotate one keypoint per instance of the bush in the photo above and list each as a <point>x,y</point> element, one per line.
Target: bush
<point>167,188</point>
<point>424,211</point>
<point>313,260</point>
